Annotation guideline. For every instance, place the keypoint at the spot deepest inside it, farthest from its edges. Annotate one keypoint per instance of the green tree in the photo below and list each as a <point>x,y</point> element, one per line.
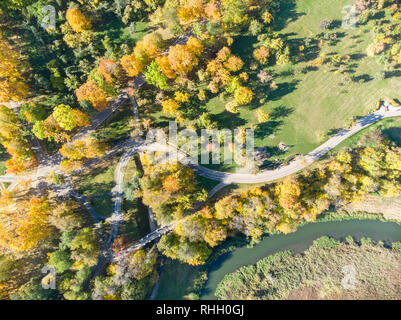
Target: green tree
<point>155,76</point>
<point>60,259</point>
<point>33,290</point>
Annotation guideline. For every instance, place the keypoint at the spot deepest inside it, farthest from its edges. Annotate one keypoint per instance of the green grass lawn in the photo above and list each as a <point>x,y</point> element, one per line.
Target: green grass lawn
<point>206,183</point>
<point>307,106</point>
<point>391,129</point>
<point>103,206</point>
<point>99,181</point>
<point>136,223</point>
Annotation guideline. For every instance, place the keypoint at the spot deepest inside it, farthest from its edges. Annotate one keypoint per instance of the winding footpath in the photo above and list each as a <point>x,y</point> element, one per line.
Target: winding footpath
<point>270,175</point>
<point>262,177</point>
<point>130,147</point>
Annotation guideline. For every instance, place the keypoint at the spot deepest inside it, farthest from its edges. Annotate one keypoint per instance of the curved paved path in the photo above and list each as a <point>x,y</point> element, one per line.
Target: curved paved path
<point>295,166</point>
<point>266,176</point>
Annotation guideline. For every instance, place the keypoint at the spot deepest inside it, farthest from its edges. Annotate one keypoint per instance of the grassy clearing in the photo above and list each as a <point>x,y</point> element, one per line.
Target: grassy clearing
<point>98,181</point>
<point>118,127</point>
<point>206,183</point>
<point>136,220</point>
<point>309,105</point>
<point>136,217</point>
<point>317,273</point>
<point>103,206</point>
<point>391,128</point>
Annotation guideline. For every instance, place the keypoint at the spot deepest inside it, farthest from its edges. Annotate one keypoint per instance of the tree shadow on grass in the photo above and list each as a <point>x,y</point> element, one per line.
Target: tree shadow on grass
<point>243,47</point>
<point>287,14</point>
<point>394,134</point>
<point>267,128</point>
<point>95,188</point>
<point>102,206</point>
<point>357,56</point>
<point>333,132</point>
<point>227,120</point>
<point>362,78</point>
<point>281,112</point>
<point>283,89</point>
<point>394,73</point>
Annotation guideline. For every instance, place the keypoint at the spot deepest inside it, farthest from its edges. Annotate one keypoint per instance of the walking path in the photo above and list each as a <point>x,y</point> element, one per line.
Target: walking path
<point>266,176</point>
<point>48,164</point>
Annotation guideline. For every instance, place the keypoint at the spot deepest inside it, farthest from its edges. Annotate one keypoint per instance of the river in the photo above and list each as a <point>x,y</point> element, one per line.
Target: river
<point>297,242</point>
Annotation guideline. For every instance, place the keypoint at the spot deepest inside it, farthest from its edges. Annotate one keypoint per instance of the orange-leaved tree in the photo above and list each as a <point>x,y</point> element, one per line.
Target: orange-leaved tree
<point>91,92</point>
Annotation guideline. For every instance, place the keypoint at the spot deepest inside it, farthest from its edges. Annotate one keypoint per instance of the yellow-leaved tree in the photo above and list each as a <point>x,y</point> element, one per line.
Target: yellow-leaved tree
<point>23,224</point>
<point>77,20</point>
<point>12,82</point>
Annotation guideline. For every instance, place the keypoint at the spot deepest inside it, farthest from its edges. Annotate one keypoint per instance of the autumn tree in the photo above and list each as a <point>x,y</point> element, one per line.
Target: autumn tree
<point>49,129</point>
<point>170,106</point>
<point>89,91</point>
<point>66,215</point>
<point>77,20</point>
<point>261,54</point>
<point>12,82</point>
<point>85,248</point>
<point>142,263</point>
<point>234,63</point>
<point>108,68</point>
<point>182,59</point>
<point>68,118</point>
<point>193,253</point>
<point>13,139</point>
<point>288,192</point>
<point>79,150</point>
<point>131,65</point>
<point>144,51</point>
<point>181,97</point>
<point>165,67</point>
<point>169,189</point>
<point>24,224</point>
<point>195,46</point>
<point>212,11</point>
<point>243,95</point>
<point>190,10</point>
<point>31,112</point>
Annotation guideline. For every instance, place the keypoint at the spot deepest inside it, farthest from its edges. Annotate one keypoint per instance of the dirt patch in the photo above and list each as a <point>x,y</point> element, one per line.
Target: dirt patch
<point>390,208</point>
<point>305,293</point>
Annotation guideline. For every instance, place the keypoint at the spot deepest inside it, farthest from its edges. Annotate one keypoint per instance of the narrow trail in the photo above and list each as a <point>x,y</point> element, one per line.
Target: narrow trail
<point>263,177</point>
<point>130,147</point>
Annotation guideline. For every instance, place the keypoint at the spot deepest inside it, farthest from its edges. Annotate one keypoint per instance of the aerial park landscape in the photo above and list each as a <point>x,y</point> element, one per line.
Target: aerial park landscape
<point>301,96</point>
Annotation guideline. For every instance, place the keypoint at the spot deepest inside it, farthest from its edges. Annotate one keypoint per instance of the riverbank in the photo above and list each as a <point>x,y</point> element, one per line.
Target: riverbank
<point>297,242</point>
<point>182,281</point>
<point>329,269</point>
